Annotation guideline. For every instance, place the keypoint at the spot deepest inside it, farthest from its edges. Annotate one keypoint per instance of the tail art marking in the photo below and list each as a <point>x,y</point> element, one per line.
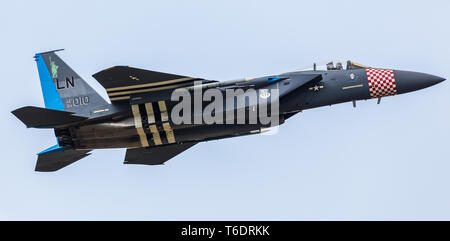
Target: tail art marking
<point>54,68</point>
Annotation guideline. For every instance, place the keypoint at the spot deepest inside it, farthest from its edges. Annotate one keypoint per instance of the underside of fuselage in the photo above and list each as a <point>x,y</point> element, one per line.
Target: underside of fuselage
<point>122,133</point>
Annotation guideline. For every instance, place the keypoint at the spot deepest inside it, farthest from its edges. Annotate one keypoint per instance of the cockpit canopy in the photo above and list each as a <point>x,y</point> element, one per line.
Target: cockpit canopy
<point>333,65</point>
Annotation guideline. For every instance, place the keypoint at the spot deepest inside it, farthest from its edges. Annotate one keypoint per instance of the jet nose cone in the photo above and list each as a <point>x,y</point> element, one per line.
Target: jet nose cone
<point>438,80</point>
<point>407,81</point>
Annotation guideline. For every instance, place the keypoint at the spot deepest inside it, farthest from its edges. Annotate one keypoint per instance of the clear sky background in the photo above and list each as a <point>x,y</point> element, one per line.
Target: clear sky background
<point>373,162</point>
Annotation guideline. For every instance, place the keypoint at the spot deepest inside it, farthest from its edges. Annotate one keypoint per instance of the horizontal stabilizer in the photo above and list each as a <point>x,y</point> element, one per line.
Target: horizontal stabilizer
<point>45,118</point>
<point>57,158</point>
<point>155,155</point>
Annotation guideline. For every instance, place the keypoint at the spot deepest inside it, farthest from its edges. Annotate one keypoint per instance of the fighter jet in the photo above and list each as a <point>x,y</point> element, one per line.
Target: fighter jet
<point>156,115</point>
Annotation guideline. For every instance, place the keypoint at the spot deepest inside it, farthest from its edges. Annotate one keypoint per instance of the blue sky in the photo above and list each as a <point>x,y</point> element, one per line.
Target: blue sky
<point>373,162</point>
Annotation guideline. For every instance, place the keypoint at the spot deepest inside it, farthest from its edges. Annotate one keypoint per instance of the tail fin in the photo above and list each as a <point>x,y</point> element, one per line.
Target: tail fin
<point>63,89</point>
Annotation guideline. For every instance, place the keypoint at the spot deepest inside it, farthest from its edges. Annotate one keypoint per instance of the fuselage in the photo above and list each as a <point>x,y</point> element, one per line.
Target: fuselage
<point>146,124</point>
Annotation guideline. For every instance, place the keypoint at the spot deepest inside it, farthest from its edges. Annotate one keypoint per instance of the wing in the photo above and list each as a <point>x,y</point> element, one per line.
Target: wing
<point>155,155</point>
<point>123,82</point>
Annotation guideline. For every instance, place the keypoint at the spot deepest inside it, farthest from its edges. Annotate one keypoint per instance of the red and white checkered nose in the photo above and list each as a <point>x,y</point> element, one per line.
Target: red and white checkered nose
<point>381,82</point>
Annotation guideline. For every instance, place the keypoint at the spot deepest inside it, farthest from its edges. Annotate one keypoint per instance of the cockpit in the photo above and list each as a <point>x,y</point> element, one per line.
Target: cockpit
<point>333,65</point>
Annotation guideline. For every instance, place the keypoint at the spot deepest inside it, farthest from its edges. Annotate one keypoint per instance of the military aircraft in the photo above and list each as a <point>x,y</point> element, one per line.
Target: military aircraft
<point>141,117</point>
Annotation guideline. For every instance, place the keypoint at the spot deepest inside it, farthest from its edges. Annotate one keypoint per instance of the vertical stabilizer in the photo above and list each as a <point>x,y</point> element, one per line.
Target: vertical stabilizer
<point>63,89</point>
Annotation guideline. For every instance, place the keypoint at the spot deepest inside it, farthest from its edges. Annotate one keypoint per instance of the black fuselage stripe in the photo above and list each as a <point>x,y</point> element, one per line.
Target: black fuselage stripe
<point>158,120</point>
<point>145,124</point>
